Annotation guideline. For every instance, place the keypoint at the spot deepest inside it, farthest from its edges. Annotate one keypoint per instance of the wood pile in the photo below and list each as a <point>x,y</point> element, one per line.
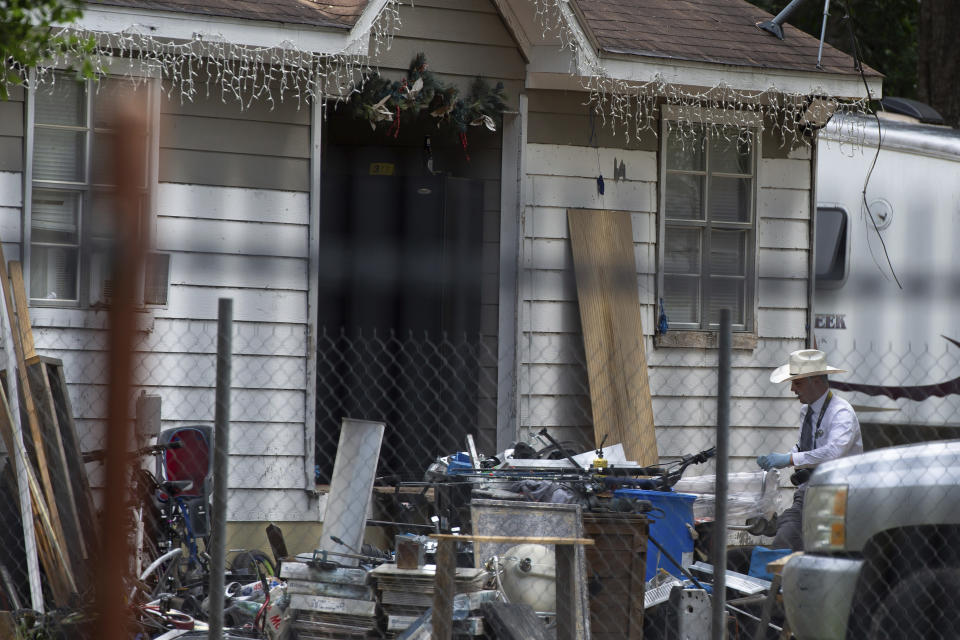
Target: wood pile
<point>57,514</point>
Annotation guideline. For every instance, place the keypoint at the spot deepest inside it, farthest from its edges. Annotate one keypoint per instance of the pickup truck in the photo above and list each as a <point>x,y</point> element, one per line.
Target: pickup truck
<point>881,535</point>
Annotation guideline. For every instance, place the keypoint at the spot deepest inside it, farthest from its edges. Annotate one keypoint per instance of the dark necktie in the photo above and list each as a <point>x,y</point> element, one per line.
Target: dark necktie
<point>806,432</point>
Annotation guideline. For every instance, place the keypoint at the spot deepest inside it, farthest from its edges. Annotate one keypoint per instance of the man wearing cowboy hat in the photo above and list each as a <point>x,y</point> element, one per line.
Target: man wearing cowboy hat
<point>830,430</point>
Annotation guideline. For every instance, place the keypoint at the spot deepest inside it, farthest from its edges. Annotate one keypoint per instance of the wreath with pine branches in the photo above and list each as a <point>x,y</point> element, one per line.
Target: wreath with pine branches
<point>382,102</point>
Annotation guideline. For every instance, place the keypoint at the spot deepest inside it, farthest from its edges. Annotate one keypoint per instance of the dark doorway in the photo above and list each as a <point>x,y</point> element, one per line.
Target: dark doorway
<point>400,301</point>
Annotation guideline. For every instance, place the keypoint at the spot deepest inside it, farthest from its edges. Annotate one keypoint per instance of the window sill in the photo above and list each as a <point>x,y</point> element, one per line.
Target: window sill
<point>704,340</point>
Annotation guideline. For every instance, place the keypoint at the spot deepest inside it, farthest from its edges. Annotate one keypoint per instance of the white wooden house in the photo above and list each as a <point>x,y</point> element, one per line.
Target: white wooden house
<point>254,192</point>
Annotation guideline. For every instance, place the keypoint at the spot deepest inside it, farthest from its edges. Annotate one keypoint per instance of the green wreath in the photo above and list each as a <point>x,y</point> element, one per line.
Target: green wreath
<point>382,102</point>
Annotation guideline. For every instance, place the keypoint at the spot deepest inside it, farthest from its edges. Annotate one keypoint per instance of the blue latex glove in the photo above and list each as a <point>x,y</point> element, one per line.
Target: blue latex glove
<point>773,461</point>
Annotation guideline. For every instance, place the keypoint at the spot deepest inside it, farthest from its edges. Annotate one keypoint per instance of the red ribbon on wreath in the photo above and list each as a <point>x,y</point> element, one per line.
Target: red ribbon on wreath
<point>463,143</point>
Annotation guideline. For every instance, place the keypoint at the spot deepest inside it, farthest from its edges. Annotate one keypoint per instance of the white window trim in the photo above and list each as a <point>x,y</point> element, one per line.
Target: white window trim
<point>81,313</point>
<point>702,337</point>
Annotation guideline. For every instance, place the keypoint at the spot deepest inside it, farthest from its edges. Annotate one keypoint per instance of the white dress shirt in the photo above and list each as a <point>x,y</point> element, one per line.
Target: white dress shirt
<point>838,435</point>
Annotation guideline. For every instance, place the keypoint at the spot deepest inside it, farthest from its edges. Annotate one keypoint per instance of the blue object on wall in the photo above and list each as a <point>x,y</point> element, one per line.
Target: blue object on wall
<point>663,325</point>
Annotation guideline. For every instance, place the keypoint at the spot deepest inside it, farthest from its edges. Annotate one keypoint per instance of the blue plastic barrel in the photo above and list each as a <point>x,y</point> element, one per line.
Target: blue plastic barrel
<point>669,528</point>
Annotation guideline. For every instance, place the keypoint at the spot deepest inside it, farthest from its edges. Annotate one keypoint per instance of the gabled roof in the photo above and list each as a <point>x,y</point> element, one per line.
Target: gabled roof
<point>338,14</point>
<point>716,31</point>
<point>720,32</point>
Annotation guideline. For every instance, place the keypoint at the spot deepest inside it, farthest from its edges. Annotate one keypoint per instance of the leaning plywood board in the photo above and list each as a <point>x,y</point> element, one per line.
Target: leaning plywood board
<point>351,487</point>
<point>602,243</point>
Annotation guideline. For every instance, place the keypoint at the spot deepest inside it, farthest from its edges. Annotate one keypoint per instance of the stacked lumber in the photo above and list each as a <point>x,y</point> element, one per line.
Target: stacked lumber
<point>406,594</point>
<point>56,508</point>
<point>333,603</point>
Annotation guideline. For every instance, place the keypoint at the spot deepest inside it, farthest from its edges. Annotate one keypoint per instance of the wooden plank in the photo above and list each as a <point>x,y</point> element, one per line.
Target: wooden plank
<point>50,550</point>
<point>76,470</point>
<point>620,561</point>
<point>59,471</point>
<point>444,588</point>
<point>516,539</point>
<point>47,501</point>
<point>23,315</point>
<point>613,331</point>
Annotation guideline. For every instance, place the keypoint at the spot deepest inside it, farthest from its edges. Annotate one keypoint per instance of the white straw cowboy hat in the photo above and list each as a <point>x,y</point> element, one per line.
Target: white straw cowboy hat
<point>803,364</point>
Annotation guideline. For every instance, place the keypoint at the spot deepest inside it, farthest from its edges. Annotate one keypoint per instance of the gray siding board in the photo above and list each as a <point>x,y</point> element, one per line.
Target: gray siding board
<point>11,118</point>
<point>568,129</point>
<point>234,170</point>
<point>479,6</point>
<point>454,24</point>
<point>234,136</point>
<point>457,58</point>
<point>11,153</point>
<point>289,110</point>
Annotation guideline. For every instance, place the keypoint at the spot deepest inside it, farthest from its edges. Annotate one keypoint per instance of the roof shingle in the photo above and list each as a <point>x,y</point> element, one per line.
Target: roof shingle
<point>717,31</point>
<point>337,14</point>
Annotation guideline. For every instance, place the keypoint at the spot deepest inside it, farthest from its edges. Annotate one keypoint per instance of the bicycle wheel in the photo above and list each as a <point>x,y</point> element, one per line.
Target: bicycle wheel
<point>252,564</point>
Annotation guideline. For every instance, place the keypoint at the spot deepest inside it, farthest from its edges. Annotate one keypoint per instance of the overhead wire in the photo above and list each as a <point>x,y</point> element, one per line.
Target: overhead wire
<point>858,65</point>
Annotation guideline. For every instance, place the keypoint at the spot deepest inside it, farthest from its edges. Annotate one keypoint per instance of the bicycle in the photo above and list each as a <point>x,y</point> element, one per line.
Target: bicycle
<point>168,560</point>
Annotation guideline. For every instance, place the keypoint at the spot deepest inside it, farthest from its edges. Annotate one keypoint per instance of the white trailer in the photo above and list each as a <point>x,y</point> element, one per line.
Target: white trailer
<point>900,342</point>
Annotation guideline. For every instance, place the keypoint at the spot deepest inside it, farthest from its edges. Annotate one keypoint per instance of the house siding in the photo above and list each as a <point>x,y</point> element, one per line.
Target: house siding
<point>248,243</point>
<point>564,155</point>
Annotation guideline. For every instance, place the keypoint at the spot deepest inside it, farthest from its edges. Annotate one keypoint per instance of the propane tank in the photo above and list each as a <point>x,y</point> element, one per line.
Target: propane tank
<point>529,576</point>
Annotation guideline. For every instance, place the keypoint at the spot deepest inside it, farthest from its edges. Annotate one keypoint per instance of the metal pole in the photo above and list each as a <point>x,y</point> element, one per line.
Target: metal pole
<point>720,493</point>
<point>221,441</point>
<point>823,32</point>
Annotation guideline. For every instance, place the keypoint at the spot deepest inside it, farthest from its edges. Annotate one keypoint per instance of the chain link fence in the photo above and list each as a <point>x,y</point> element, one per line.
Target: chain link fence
<point>423,435</point>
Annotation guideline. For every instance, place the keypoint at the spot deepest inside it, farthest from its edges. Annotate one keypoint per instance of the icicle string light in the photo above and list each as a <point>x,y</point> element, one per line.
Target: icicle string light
<point>243,73</point>
<point>250,74</point>
<point>632,108</point>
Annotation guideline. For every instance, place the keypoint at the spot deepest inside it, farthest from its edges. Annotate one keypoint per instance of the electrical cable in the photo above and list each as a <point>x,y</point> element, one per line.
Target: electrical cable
<point>858,65</point>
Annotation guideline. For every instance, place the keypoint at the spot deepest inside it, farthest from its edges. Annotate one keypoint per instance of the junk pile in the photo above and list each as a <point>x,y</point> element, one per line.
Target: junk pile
<point>407,594</point>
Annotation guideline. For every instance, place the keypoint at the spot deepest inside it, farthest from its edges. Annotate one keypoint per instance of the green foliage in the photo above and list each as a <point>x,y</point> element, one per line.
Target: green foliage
<point>26,39</point>
<point>886,32</point>
<point>420,92</point>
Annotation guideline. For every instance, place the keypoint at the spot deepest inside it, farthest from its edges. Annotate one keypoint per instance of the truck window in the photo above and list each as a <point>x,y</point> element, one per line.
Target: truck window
<point>831,244</point>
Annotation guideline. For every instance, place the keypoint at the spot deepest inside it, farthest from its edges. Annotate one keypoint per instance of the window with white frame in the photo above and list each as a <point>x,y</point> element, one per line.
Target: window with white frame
<point>707,240</point>
<point>69,221</point>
